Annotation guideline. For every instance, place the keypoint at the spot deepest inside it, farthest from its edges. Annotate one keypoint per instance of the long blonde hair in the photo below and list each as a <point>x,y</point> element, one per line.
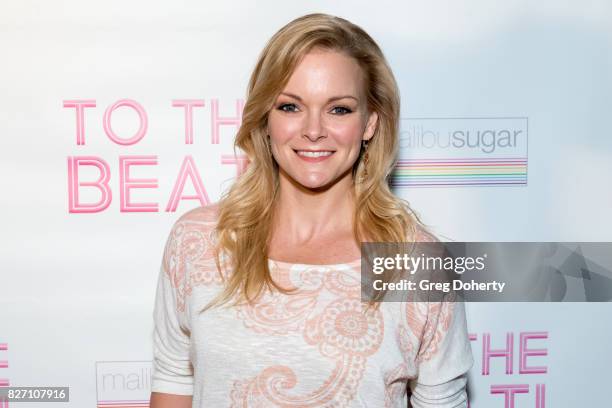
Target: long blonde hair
<point>245,211</point>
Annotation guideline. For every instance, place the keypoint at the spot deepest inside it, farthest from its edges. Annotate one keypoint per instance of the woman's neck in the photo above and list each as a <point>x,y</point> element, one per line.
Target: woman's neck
<point>302,215</point>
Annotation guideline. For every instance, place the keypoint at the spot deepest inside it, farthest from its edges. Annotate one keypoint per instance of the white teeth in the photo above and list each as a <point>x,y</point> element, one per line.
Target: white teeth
<point>313,154</point>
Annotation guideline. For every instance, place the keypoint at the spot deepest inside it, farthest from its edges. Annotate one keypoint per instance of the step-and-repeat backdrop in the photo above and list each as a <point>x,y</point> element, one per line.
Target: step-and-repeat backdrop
<point>117,117</point>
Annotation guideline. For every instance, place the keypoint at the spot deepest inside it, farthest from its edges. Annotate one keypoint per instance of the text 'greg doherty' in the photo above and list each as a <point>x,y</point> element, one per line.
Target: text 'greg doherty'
<point>413,264</point>
<point>426,285</point>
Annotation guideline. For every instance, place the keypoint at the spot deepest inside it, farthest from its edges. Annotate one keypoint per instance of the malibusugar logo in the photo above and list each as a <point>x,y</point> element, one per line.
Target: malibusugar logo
<point>89,176</point>
<point>526,385</point>
<point>442,152</point>
<point>123,384</point>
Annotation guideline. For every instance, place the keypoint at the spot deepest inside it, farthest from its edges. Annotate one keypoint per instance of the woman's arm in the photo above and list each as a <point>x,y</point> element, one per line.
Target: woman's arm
<point>163,400</point>
<point>172,374</point>
<point>444,358</point>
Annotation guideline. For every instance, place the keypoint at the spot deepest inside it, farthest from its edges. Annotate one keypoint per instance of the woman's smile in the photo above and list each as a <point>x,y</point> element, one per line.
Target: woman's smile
<point>314,156</point>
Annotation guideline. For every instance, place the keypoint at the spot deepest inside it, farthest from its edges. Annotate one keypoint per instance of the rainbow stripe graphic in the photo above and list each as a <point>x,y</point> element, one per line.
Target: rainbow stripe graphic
<point>460,172</point>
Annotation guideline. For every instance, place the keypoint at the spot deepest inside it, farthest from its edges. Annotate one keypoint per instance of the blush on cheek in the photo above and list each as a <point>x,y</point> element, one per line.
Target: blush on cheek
<point>350,132</point>
<point>281,130</point>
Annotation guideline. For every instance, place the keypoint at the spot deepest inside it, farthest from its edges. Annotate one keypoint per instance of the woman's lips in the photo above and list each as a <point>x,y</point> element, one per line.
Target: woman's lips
<point>314,156</point>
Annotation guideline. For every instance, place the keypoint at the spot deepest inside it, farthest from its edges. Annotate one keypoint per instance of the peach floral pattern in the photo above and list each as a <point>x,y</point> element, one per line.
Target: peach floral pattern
<point>190,244</point>
<point>324,314</point>
<point>341,330</point>
<point>437,323</point>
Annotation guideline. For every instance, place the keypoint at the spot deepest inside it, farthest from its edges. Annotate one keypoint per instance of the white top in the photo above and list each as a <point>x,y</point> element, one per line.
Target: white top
<point>313,348</point>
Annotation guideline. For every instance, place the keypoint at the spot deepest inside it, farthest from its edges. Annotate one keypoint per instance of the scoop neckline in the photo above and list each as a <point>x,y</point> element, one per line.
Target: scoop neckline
<point>354,262</point>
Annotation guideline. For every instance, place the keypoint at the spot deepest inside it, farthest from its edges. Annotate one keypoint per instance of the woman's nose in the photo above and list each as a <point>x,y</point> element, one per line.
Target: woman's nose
<point>314,128</point>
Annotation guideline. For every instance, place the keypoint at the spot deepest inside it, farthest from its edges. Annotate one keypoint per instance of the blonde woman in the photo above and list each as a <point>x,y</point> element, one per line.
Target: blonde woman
<point>258,301</point>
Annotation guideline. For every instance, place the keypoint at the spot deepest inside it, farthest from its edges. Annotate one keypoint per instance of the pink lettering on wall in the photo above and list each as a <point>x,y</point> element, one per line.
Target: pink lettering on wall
<point>80,166</point>
<point>525,349</point>
<point>188,169</point>
<point>188,105</point>
<point>525,352</point>
<point>509,391</point>
<point>4,382</point>
<point>141,114</point>
<point>74,204</point>
<point>126,183</point>
<point>241,161</point>
<point>487,352</point>
<point>80,105</point>
<point>540,396</point>
<point>216,121</point>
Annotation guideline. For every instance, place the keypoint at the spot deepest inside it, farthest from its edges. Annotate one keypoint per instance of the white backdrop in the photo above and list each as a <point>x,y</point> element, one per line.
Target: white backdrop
<point>77,287</point>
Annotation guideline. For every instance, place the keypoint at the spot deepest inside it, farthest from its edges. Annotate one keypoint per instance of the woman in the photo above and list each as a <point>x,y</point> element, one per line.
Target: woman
<point>258,301</point>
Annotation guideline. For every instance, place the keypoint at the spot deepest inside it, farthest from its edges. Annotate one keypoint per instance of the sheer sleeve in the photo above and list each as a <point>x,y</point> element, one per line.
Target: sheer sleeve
<point>172,371</point>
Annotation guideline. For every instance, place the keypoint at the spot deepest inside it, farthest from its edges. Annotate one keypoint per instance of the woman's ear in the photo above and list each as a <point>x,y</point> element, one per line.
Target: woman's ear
<point>370,126</point>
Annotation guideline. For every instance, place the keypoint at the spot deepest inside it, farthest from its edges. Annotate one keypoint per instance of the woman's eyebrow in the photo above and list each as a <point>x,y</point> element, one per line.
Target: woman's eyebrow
<point>333,98</point>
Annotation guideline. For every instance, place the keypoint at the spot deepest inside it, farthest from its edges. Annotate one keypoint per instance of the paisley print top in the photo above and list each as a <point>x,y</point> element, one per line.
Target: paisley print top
<point>313,348</point>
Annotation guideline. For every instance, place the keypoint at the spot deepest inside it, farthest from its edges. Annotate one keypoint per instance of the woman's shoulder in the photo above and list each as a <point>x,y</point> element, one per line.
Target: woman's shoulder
<point>193,234</point>
<point>203,214</point>
<point>199,221</point>
<point>423,234</point>
<point>418,231</point>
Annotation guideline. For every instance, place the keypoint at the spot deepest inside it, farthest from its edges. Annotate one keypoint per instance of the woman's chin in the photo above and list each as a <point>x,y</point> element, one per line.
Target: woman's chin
<point>319,185</point>
<point>314,182</point>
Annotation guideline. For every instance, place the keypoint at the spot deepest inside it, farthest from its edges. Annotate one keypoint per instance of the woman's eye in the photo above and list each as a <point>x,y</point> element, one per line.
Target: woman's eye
<point>287,105</point>
<point>343,110</point>
<point>291,107</point>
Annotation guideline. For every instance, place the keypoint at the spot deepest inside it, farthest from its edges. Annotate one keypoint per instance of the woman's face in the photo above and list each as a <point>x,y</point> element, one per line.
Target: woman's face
<point>319,120</point>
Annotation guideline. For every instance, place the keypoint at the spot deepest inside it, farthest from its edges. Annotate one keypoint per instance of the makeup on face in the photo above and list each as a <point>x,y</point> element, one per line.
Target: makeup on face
<point>317,121</point>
